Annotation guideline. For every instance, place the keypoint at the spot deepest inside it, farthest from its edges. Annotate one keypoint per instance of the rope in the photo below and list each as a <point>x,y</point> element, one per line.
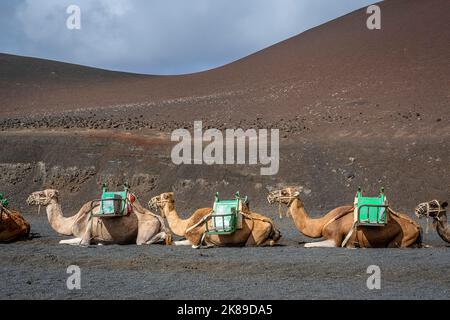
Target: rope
<point>342,214</point>
<point>201,221</point>
<point>349,234</point>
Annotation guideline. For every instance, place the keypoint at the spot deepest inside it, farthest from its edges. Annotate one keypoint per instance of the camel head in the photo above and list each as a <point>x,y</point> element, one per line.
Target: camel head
<point>431,209</point>
<point>283,196</point>
<point>159,202</point>
<point>42,198</point>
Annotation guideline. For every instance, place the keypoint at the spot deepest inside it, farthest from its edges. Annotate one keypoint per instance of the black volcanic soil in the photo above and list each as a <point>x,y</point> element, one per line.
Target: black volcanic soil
<point>354,108</point>
<point>36,269</point>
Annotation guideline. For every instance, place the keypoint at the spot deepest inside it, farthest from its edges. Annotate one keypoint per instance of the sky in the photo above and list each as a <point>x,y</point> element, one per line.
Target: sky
<point>159,36</point>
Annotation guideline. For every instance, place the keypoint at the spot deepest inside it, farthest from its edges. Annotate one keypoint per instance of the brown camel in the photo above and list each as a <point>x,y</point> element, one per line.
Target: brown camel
<point>436,210</point>
<point>334,227</point>
<point>257,230</point>
<point>140,227</point>
<point>12,225</point>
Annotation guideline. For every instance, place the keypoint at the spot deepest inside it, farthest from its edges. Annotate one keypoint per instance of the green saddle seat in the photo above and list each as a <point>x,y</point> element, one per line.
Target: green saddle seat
<point>225,216</point>
<point>3,201</point>
<point>113,204</point>
<point>371,211</point>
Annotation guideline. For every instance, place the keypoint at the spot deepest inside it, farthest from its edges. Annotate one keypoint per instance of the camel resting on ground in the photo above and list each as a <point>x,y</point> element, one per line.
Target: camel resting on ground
<point>257,230</point>
<point>140,226</point>
<point>12,225</point>
<point>400,231</point>
<point>437,210</point>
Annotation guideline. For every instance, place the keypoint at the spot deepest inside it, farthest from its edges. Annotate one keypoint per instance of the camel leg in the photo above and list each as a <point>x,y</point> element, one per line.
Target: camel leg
<point>268,243</point>
<point>73,242</point>
<point>321,244</point>
<point>259,236</point>
<point>86,239</point>
<point>183,243</point>
<point>157,238</point>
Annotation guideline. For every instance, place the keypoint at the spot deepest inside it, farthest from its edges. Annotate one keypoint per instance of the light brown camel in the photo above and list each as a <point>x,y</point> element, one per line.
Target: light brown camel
<point>12,225</point>
<point>257,230</point>
<point>140,227</point>
<point>437,210</point>
<point>400,231</point>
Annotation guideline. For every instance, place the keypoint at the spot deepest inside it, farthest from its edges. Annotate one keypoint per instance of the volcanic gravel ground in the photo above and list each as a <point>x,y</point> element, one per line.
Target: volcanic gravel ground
<point>36,269</point>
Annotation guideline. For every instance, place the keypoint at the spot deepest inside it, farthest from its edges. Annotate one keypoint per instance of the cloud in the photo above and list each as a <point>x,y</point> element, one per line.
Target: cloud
<point>159,36</point>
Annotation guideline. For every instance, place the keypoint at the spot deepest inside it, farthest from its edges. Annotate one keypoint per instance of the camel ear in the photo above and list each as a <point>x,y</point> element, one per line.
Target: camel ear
<point>444,204</point>
<point>53,193</point>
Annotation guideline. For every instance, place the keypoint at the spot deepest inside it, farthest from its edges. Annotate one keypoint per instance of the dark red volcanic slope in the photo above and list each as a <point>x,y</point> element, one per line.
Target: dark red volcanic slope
<point>336,92</point>
<point>339,68</point>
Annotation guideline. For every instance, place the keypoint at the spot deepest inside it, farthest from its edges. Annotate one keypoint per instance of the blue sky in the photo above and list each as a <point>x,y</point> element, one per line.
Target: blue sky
<point>159,36</point>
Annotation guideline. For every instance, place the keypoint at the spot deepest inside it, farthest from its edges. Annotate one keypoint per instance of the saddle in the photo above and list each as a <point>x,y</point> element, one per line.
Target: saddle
<point>226,216</point>
<point>371,211</point>
<point>114,203</point>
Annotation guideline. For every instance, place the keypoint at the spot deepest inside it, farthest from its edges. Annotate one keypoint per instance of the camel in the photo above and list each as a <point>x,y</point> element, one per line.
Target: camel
<point>436,210</point>
<point>12,225</point>
<point>336,225</point>
<point>140,227</point>
<point>257,230</point>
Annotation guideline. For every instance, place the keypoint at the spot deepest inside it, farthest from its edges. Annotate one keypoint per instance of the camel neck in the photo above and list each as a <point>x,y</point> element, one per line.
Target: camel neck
<point>176,224</point>
<point>442,228</point>
<point>309,227</point>
<point>56,219</point>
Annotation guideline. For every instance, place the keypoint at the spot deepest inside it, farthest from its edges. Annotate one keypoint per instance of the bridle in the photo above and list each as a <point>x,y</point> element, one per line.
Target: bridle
<point>156,203</point>
<point>431,209</point>
<point>277,196</point>
<point>40,200</point>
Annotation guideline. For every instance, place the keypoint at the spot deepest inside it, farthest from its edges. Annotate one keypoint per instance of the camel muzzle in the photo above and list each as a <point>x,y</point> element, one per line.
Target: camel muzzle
<point>431,209</point>
<point>154,203</point>
<point>31,200</point>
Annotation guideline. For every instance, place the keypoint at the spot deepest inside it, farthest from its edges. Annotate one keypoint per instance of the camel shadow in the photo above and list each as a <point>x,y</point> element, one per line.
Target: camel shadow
<point>31,236</point>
